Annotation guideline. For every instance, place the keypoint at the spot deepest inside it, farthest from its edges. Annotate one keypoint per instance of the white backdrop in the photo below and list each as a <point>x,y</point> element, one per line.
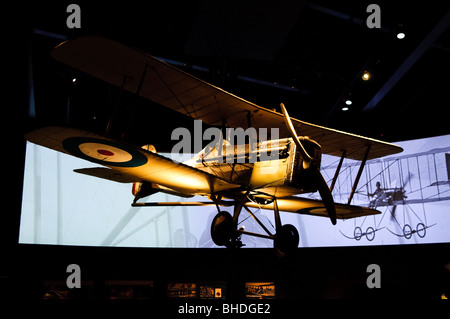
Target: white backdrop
<point>62,207</point>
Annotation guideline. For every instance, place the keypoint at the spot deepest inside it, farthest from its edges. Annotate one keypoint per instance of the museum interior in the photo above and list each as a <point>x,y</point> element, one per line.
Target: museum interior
<point>378,72</point>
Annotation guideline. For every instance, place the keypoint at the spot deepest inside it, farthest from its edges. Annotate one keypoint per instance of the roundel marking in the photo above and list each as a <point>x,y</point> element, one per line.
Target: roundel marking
<point>104,152</point>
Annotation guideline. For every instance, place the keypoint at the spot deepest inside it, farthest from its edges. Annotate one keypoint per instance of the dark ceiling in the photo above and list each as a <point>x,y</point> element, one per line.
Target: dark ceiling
<point>310,55</point>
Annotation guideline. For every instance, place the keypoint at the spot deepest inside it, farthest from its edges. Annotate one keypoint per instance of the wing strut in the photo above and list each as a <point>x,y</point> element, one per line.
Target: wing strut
<point>115,112</point>
<point>338,169</point>
<point>358,176</point>
<point>258,221</point>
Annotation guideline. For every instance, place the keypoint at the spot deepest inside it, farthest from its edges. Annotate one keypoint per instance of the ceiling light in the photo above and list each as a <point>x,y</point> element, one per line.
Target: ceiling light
<point>400,35</point>
<point>366,76</point>
<point>345,108</point>
<point>348,102</point>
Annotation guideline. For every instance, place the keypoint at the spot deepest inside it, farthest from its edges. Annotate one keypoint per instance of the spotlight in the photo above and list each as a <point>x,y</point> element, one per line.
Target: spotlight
<point>400,35</point>
<point>366,76</point>
<point>400,30</point>
<point>74,80</point>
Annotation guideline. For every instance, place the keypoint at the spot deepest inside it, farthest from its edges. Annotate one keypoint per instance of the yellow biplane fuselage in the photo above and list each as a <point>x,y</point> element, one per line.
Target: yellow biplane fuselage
<point>282,173</point>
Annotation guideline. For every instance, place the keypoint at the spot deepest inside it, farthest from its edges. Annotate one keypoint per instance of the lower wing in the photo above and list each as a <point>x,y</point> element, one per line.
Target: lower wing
<point>313,207</point>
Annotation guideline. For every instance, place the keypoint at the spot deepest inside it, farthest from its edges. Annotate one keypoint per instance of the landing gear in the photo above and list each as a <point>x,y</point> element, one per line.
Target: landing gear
<point>407,231</point>
<point>286,240</point>
<point>222,229</point>
<point>225,232</point>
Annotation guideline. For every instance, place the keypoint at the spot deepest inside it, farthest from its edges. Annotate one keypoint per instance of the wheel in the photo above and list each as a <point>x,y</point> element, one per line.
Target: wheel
<point>407,231</point>
<point>370,233</point>
<point>286,240</point>
<point>357,233</point>
<point>222,228</point>
<point>421,230</point>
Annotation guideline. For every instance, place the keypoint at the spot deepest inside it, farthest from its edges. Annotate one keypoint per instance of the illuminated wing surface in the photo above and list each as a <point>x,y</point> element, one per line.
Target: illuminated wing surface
<point>140,73</point>
<point>314,207</point>
<point>127,161</point>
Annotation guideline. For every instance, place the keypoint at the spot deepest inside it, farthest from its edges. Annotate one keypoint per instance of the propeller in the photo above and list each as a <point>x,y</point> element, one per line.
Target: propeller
<point>311,164</point>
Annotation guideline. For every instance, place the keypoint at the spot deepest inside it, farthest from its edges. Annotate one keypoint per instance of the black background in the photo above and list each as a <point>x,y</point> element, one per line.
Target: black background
<point>320,55</point>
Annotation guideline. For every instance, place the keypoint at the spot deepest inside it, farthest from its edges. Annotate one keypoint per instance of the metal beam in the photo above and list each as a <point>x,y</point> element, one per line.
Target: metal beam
<point>344,16</point>
<point>409,62</point>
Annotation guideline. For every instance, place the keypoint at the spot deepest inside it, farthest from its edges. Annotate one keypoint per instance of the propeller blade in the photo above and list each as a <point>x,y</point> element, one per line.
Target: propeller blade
<point>322,185</point>
<point>292,132</point>
<point>326,195</point>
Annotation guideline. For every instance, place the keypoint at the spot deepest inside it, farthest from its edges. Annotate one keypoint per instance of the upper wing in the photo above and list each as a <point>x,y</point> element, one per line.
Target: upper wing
<point>314,207</point>
<point>140,73</point>
<point>128,161</point>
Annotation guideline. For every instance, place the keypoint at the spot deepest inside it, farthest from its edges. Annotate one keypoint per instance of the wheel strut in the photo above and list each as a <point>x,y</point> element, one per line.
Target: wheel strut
<point>225,232</point>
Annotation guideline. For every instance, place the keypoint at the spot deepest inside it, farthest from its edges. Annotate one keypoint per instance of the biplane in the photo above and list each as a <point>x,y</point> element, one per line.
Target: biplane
<point>267,182</point>
<point>404,186</point>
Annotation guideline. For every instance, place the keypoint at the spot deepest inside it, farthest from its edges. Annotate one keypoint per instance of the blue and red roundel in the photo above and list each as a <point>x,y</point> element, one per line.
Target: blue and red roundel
<point>104,152</point>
